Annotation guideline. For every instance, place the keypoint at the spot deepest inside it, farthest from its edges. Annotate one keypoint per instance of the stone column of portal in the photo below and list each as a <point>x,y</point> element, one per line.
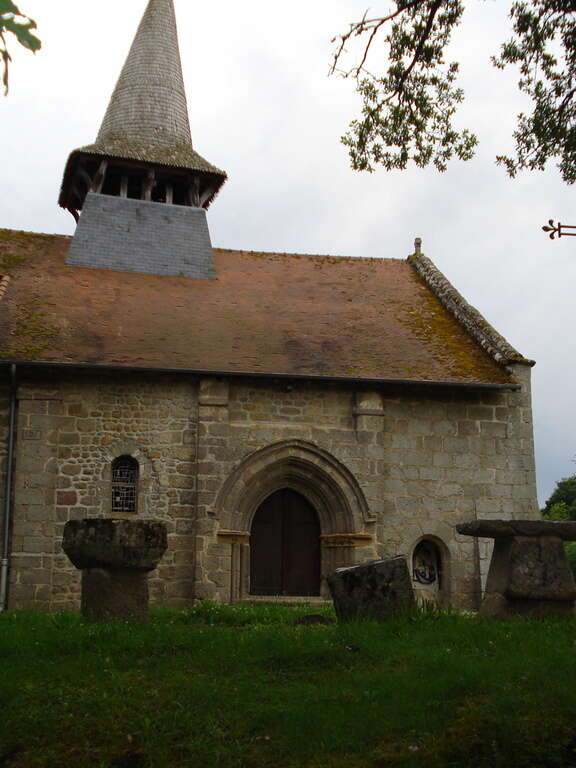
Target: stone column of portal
<point>115,557</point>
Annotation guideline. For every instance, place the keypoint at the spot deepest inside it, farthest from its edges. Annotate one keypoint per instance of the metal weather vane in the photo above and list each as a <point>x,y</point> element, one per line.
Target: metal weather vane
<point>559,229</point>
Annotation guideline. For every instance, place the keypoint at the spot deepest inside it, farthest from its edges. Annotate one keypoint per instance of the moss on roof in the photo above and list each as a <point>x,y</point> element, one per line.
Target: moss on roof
<point>284,314</point>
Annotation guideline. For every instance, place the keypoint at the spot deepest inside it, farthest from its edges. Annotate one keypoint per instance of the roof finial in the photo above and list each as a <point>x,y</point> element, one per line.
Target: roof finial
<point>418,245</point>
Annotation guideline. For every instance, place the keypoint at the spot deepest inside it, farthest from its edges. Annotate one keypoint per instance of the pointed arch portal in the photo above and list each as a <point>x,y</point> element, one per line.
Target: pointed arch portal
<point>332,520</point>
<point>285,546</point>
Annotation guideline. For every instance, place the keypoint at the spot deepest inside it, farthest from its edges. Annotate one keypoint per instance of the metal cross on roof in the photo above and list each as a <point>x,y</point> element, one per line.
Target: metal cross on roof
<point>559,229</point>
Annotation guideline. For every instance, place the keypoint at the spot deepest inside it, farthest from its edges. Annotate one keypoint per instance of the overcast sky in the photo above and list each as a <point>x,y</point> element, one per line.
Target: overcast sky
<point>263,109</point>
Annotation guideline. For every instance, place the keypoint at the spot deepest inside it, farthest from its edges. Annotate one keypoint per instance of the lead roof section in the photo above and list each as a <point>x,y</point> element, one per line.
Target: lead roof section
<point>147,117</point>
<point>266,314</point>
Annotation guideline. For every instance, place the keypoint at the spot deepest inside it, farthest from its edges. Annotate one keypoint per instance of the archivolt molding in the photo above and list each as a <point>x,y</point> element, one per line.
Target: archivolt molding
<point>322,479</point>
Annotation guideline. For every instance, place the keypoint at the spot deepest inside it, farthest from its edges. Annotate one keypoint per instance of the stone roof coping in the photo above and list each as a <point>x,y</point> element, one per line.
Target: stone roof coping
<point>468,316</point>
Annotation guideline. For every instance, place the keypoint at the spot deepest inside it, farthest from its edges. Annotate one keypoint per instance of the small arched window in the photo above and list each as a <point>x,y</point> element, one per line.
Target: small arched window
<point>125,471</point>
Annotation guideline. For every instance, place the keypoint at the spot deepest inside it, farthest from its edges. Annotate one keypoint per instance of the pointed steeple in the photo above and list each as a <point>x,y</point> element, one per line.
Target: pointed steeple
<point>148,106</point>
<point>146,126</point>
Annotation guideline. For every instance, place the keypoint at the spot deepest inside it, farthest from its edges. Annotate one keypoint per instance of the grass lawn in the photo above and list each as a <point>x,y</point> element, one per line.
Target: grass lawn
<point>234,687</point>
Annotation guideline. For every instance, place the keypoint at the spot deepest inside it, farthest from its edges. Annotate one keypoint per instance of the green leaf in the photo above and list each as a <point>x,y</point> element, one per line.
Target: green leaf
<point>7,6</point>
<point>22,33</point>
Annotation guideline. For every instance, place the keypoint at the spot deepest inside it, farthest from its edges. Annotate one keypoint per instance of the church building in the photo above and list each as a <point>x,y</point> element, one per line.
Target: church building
<point>282,414</point>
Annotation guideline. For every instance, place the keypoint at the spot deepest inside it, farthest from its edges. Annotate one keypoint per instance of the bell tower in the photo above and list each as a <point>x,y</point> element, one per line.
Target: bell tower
<point>140,193</point>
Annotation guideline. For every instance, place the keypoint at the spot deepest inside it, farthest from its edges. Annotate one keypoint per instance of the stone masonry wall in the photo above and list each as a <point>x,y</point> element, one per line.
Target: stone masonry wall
<point>69,432</point>
<point>424,459</point>
<point>384,468</point>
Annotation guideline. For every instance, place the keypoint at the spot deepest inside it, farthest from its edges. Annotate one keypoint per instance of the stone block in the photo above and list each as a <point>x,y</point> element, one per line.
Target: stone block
<point>66,498</point>
<point>375,591</point>
<point>114,594</point>
<point>539,569</point>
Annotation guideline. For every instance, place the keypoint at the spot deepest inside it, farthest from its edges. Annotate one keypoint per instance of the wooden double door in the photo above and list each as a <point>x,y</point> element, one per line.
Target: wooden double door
<point>285,547</point>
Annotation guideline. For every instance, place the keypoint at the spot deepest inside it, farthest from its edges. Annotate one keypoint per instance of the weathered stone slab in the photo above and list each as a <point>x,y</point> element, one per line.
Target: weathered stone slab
<point>377,590</point>
<point>106,543</point>
<point>496,529</point>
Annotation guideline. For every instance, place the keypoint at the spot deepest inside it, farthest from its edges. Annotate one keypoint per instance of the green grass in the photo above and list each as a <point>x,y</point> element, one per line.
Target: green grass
<point>241,687</point>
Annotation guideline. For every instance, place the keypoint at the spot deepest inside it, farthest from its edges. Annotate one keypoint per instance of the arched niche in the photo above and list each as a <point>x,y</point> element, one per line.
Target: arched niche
<point>430,567</point>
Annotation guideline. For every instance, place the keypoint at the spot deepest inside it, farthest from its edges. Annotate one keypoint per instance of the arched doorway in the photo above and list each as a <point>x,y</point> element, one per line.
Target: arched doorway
<point>285,546</point>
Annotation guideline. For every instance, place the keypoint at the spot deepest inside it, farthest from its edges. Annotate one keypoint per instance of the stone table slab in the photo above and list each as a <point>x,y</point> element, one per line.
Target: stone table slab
<point>497,529</point>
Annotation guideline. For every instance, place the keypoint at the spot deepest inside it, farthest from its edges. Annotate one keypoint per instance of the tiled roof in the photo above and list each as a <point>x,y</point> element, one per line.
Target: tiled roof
<point>266,313</point>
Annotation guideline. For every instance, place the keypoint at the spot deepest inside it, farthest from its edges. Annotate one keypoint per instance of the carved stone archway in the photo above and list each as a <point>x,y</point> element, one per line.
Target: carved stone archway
<point>347,527</point>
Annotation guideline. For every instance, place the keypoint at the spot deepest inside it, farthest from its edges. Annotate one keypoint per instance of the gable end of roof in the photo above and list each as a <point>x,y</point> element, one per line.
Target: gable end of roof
<point>468,316</point>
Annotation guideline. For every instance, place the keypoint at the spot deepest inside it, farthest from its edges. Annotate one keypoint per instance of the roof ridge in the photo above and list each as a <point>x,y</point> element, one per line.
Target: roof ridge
<point>468,316</point>
<point>34,234</point>
<point>376,259</point>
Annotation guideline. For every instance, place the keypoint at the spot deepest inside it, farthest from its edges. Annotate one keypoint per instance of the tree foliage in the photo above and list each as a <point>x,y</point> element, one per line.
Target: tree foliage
<point>562,503</point>
<point>408,110</point>
<point>562,506</point>
<point>19,25</point>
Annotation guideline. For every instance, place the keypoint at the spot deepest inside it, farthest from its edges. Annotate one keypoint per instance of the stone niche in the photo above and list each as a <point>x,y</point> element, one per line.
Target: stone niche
<point>115,557</point>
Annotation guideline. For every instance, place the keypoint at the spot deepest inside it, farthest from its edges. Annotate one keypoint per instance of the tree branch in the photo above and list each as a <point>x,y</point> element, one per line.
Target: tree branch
<point>358,28</point>
<point>419,48</point>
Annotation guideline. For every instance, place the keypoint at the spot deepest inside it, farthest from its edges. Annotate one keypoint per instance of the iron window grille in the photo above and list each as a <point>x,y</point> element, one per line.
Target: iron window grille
<point>125,473</point>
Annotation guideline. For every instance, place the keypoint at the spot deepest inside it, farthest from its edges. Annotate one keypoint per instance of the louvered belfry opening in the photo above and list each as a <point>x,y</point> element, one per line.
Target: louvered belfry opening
<point>125,473</point>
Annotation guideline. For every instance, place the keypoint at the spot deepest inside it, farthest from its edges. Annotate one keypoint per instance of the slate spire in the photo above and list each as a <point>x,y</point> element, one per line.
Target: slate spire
<point>146,124</point>
<point>148,106</point>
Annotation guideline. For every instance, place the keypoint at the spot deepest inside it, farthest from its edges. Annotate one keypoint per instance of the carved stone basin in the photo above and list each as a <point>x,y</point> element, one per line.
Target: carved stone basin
<point>104,543</point>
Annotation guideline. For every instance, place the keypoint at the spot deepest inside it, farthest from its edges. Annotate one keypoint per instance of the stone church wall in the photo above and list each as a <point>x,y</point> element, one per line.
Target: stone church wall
<point>69,432</point>
<point>424,460</point>
<point>383,468</point>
